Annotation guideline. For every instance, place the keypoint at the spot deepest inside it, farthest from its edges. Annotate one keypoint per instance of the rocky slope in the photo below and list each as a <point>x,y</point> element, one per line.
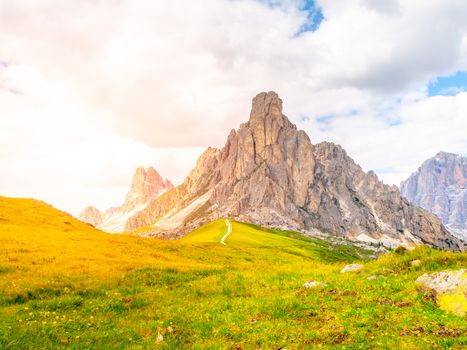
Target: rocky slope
<point>269,173</point>
<point>440,186</point>
<point>147,185</point>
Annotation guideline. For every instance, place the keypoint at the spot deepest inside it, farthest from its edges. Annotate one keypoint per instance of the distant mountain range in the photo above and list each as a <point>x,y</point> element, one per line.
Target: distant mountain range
<point>440,186</point>
<point>269,173</point>
<point>147,185</point>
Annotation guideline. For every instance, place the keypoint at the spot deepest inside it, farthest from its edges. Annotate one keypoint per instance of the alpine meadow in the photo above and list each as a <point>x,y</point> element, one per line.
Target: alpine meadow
<point>62,287</point>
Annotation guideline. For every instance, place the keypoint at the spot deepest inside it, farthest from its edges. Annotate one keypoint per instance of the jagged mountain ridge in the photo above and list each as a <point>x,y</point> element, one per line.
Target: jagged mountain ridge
<point>147,185</point>
<point>269,173</point>
<point>440,186</point>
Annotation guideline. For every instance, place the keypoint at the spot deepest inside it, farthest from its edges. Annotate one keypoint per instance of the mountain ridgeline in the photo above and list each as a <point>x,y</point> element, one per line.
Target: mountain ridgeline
<point>147,185</point>
<point>269,173</point>
<point>440,186</point>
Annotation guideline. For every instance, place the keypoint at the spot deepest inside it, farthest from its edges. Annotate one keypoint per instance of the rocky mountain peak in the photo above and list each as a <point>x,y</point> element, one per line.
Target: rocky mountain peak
<point>91,215</point>
<point>266,122</point>
<point>146,179</point>
<point>269,173</point>
<point>265,104</point>
<point>146,185</point>
<point>440,186</point>
<point>445,155</point>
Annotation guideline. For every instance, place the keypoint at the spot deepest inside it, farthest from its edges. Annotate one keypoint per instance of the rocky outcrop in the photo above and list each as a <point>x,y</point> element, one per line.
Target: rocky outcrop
<point>440,186</point>
<point>269,173</point>
<point>449,289</point>
<point>147,185</point>
<point>91,215</point>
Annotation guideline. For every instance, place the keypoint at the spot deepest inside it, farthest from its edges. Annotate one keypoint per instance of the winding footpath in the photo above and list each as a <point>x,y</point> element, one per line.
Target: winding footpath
<point>229,231</point>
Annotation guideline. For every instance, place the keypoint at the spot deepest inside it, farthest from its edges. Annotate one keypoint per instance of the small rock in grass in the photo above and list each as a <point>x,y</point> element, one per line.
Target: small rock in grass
<point>253,320</point>
<point>160,338</point>
<point>170,329</point>
<point>352,267</point>
<point>374,277</point>
<point>312,284</point>
<point>449,289</point>
<point>415,263</point>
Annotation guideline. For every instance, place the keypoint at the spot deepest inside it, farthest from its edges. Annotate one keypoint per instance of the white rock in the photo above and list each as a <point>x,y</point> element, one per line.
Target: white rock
<point>374,277</point>
<point>449,289</point>
<point>442,282</point>
<point>160,338</point>
<point>312,284</point>
<point>352,267</point>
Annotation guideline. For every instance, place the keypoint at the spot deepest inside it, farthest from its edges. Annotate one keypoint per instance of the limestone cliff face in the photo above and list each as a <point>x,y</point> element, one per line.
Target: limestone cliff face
<point>266,167</point>
<point>269,173</point>
<point>147,185</point>
<point>357,204</point>
<point>440,186</point>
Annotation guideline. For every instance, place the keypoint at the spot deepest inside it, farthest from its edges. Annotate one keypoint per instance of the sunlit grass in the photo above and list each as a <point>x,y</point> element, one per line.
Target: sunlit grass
<point>64,284</point>
<point>211,232</point>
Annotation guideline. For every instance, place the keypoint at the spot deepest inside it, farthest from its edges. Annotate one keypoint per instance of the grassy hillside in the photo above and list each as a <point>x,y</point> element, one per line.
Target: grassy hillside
<point>64,284</point>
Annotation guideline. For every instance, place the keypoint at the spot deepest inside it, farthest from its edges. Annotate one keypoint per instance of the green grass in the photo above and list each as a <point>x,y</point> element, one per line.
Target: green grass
<point>67,286</point>
<point>209,233</point>
<point>246,235</point>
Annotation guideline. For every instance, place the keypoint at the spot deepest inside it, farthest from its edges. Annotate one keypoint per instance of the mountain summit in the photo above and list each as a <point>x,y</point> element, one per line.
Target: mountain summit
<point>269,173</point>
<point>147,184</point>
<point>440,186</point>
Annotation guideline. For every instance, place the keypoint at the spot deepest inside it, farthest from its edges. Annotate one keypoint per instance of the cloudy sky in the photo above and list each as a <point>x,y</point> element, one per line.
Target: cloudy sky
<point>89,90</point>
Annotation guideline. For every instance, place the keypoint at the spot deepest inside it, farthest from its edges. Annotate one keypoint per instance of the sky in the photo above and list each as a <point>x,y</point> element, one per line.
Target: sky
<point>90,90</point>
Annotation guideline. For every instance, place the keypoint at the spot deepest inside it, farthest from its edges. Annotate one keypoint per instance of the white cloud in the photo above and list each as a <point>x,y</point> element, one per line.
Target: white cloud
<point>90,90</point>
<point>395,148</point>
